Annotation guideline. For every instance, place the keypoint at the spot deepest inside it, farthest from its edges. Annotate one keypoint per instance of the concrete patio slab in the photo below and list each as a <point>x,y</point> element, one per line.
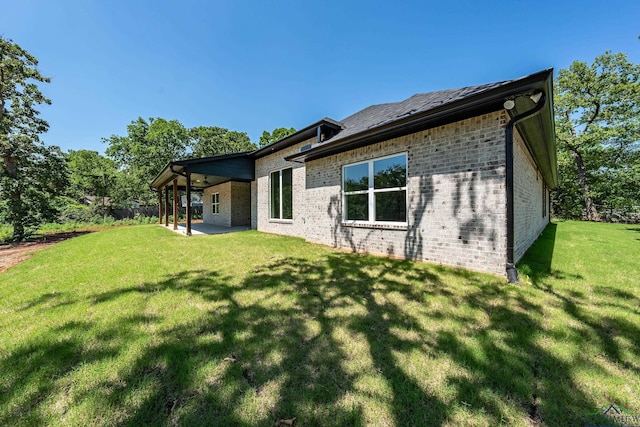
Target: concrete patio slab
<point>202,228</point>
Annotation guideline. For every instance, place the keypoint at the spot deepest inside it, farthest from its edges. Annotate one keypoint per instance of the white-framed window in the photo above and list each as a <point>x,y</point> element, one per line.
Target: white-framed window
<point>375,191</point>
<point>281,194</point>
<point>215,203</point>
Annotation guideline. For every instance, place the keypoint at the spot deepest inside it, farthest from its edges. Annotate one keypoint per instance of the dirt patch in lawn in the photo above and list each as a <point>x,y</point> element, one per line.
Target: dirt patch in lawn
<point>14,253</point>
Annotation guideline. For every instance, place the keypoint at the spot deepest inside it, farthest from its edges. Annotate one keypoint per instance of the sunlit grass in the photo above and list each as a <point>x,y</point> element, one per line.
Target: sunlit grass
<point>141,326</point>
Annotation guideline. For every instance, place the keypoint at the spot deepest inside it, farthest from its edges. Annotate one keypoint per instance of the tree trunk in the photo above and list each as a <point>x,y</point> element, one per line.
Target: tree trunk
<point>18,226</point>
<point>591,213</point>
<point>16,208</point>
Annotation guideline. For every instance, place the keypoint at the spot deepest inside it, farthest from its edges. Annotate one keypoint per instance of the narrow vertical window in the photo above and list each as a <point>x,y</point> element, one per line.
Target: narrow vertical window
<point>287,194</point>
<point>281,194</point>
<point>215,203</point>
<point>275,195</point>
<point>544,199</point>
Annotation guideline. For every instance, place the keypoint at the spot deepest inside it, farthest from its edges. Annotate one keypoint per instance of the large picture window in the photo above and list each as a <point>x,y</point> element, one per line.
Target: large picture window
<point>376,191</point>
<point>281,194</point>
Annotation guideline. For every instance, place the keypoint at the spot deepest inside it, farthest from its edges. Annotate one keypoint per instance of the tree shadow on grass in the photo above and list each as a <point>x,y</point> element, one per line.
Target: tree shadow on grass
<point>32,372</point>
<point>536,263</point>
<point>339,340</point>
<point>584,306</point>
<point>50,300</point>
<point>636,229</point>
<point>246,350</point>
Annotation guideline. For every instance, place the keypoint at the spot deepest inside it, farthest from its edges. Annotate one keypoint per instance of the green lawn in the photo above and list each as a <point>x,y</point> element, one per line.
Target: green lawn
<point>141,326</point>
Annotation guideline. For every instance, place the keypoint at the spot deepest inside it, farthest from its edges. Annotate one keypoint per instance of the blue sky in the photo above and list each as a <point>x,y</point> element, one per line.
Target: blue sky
<point>254,66</point>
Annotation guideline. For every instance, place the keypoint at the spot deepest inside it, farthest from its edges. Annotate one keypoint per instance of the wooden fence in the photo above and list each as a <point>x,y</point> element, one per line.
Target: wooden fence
<point>196,212</point>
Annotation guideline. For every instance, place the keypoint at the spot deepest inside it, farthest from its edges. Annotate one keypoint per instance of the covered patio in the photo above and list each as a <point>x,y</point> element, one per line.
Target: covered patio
<point>197,175</point>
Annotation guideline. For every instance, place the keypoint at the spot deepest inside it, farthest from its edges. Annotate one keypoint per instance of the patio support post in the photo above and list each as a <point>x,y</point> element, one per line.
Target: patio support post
<point>160,205</point>
<point>175,204</point>
<point>188,208</point>
<point>166,206</point>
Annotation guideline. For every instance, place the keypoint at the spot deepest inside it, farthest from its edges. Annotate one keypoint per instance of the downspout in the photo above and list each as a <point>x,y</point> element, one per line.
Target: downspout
<point>512,272</point>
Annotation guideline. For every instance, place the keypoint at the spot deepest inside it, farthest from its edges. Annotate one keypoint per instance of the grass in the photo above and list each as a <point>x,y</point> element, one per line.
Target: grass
<point>141,326</point>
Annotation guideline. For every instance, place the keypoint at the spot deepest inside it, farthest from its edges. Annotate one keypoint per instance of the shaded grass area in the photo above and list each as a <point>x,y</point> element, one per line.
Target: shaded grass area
<point>139,325</point>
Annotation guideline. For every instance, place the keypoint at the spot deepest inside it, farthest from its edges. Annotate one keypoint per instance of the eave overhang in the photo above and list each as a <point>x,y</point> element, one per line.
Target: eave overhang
<point>207,171</point>
<point>299,136</point>
<point>538,132</point>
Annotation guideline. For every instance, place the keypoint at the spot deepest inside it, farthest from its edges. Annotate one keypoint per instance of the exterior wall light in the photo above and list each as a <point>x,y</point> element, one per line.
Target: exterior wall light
<point>536,97</point>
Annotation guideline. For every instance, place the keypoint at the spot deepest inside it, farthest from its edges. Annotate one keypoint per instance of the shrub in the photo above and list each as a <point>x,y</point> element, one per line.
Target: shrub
<point>74,211</point>
<point>6,233</point>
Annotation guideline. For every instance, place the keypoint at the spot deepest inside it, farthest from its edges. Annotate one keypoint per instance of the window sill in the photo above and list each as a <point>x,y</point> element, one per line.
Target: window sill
<point>383,226</point>
<point>281,221</point>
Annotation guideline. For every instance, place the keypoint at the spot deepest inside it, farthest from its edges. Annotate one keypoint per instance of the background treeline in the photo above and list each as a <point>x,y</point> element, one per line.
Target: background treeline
<point>597,114</point>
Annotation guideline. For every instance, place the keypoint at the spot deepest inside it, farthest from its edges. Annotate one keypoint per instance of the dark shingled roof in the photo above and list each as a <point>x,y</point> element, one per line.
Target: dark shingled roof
<point>423,111</point>
<point>381,114</point>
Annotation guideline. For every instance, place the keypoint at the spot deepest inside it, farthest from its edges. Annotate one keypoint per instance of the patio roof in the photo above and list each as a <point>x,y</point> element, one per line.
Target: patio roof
<point>207,171</point>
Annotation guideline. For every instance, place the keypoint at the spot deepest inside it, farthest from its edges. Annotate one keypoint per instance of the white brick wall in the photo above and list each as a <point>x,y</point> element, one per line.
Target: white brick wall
<point>224,217</point>
<point>264,167</point>
<point>456,196</point>
<point>528,186</point>
<point>254,205</point>
<point>235,204</point>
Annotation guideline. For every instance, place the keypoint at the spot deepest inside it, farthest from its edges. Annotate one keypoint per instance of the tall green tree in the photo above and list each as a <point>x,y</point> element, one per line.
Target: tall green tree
<point>143,152</point>
<point>90,174</point>
<point>213,140</point>
<point>275,135</point>
<point>31,175</point>
<point>597,113</point>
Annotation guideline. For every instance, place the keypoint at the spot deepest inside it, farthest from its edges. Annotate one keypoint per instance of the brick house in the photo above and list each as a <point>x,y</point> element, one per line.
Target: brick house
<point>458,177</point>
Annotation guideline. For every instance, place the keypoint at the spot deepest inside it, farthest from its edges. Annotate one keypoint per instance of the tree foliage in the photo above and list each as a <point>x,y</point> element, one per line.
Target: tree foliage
<point>150,145</point>
<point>143,152</point>
<point>276,135</point>
<point>209,141</point>
<point>31,175</point>
<point>90,174</point>
<point>597,113</point>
